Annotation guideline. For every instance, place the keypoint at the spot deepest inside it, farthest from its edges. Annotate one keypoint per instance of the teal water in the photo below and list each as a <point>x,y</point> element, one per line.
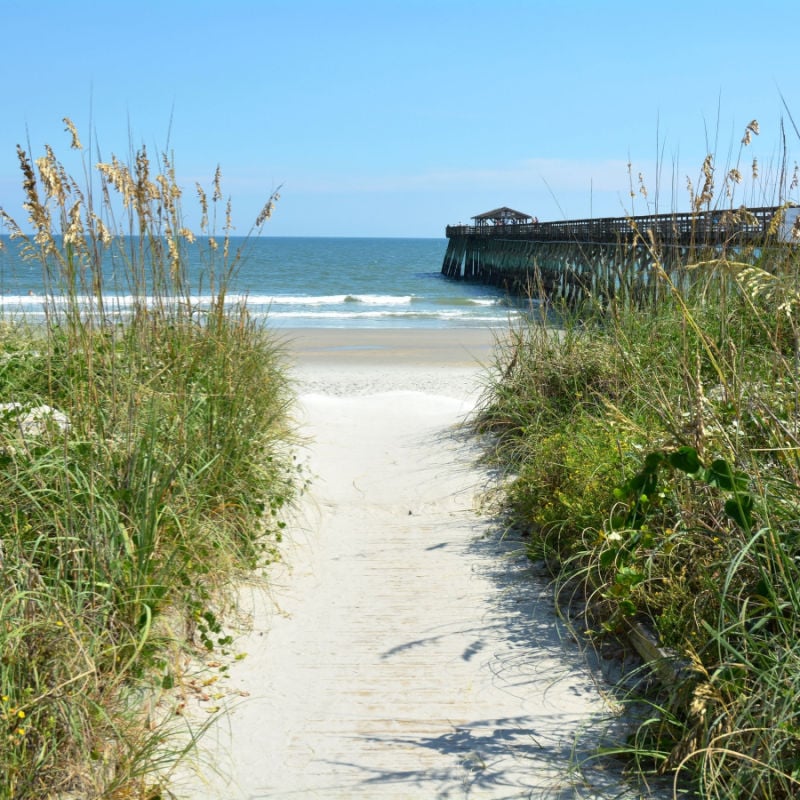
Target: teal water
<point>313,282</point>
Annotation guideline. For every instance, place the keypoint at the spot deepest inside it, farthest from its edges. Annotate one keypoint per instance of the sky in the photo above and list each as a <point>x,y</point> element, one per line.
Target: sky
<point>399,117</point>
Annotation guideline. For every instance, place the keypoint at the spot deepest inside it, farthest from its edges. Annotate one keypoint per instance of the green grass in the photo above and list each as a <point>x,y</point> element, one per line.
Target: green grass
<point>652,453</point>
<point>160,475</point>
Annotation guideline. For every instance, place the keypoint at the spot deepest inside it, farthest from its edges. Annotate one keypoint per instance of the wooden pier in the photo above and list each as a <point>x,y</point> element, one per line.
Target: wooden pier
<point>606,257</point>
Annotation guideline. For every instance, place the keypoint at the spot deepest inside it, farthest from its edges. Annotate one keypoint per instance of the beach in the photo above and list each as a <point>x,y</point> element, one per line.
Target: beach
<point>405,647</point>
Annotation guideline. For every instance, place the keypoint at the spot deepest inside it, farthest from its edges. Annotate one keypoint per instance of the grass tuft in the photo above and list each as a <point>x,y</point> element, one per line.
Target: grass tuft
<point>652,451</point>
<point>145,461</point>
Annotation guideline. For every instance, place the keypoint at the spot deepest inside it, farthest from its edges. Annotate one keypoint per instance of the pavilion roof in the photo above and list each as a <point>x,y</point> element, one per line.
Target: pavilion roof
<point>502,213</point>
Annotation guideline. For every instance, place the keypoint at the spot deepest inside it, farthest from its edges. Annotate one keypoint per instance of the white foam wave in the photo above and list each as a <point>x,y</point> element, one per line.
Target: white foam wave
<point>330,299</point>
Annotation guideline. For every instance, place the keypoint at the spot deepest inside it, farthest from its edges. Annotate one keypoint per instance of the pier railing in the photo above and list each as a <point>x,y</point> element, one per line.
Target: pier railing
<point>613,256</point>
<point>681,228</point>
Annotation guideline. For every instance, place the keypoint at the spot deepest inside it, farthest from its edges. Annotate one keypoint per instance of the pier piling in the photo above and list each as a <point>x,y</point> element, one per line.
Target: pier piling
<point>607,257</point>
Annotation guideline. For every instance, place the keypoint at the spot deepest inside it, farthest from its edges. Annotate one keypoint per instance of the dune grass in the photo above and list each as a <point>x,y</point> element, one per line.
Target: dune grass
<point>653,454</point>
<point>145,459</point>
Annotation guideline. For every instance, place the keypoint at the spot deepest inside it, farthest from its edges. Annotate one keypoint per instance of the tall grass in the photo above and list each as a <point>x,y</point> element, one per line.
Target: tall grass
<point>145,457</point>
<point>653,453</point>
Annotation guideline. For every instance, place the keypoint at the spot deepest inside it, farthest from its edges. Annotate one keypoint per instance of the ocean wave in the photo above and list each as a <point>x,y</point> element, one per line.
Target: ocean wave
<point>300,309</point>
<point>470,301</point>
<point>329,299</point>
<point>386,314</point>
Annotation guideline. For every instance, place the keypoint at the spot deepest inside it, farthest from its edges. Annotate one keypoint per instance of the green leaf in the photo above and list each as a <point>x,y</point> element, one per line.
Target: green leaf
<point>654,460</point>
<point>740,509</point>
<point>629,576</point>
<point>686,460</point>
<point>627,608</point>
<point>721,474</point>
<point>607,557</point>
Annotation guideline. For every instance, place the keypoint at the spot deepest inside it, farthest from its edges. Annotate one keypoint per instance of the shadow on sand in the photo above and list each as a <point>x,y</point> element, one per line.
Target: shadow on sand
<point>568,715</point>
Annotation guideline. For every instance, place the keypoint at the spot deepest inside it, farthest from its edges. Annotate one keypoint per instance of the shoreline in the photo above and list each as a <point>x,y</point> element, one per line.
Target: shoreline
<point>357,362</point>
<point>387,346</point>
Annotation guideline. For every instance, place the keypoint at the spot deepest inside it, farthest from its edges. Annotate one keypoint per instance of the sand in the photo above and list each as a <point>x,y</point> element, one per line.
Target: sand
<point>406,648</point>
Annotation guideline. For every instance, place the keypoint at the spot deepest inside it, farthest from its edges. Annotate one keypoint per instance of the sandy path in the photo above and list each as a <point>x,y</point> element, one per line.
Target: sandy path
<point>413,653</point>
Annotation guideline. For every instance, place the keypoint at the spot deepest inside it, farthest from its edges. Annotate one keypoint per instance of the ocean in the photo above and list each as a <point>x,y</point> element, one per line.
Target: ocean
<point>314,282</point>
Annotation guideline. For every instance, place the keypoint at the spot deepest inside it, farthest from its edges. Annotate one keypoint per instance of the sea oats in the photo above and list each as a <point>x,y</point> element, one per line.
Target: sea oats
<point>165,194</point>
<point>755,169</point>
<point>217,185</point>
<point>174,255</point>
<point>76,142</point>
<point>15,232</point>
<point>52,176</point>
<point>203,199</point>
<point>265,214</point>
<point>103,233</point>
<point>735,175</point>
<point>119,176</point>
<point>269,207</point>
<point>795,178</point>
<point>707,193</point>
<point>74,234</point>
<point>752,128</point>
<point>228,229</point>
<point>38,213</point>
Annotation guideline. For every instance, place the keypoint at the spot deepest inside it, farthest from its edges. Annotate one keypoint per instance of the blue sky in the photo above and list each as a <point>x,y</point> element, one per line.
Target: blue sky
<point>397,117</point>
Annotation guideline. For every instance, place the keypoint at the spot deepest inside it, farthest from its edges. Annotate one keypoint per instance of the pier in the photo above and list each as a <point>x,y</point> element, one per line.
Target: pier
<point>606,257</point>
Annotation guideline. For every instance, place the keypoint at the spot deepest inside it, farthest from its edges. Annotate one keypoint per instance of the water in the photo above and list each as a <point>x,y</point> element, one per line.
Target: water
<point>315,282</point>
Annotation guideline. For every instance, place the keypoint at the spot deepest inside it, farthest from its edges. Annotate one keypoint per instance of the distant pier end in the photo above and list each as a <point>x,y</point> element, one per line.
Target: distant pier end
<point>602,257</point>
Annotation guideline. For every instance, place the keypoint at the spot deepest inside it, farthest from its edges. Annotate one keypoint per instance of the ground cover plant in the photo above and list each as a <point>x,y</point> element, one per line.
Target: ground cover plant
<point>145,457</point>
<point>652,453</point>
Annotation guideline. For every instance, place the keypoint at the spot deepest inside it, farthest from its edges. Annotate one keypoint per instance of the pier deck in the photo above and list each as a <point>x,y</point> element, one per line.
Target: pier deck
<point>604,256</point>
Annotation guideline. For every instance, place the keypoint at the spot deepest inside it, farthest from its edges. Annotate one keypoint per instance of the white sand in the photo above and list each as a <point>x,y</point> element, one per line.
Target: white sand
<point>408,651</point>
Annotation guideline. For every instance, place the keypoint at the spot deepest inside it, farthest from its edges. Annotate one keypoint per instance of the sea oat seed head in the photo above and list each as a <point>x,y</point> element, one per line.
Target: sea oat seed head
<point>752,128</point>
<point>74,233</point>
<point>11,224</point>
<point>735,175</point>
<point>269,207</point>
<point>53,176</point>
<point>755,168</point>
<point>103,234</point>
<point>217,184</point>
<point>201,196</point>
<point>707,193</point>
<point>265,214</point>
<point>76,142</point>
